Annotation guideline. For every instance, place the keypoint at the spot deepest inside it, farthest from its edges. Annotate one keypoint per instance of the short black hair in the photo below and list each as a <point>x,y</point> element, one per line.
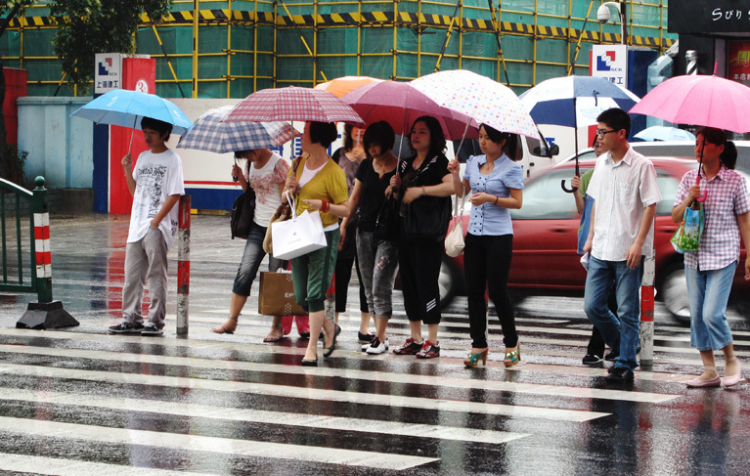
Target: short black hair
<point>323,133</point>
<point>437,138</point>
<point>380,133</point>
<point>163,128</point>
<point>511,140</point>
<point>348,141</point>
<point>617,119</point>
<point>719,137</point>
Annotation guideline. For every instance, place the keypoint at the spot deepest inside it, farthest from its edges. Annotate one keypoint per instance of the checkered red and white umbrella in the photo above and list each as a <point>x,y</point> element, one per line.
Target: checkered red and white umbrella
<point>293,104</point>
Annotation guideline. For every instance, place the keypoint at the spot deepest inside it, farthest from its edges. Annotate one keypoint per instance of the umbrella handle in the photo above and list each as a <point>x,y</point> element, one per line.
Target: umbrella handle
<point>565,188</point>
<point>705,193</point>
<point>132,133</point>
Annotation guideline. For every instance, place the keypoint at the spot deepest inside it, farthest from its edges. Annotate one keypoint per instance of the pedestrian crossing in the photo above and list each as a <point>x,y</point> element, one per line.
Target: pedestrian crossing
<point>77,403</point>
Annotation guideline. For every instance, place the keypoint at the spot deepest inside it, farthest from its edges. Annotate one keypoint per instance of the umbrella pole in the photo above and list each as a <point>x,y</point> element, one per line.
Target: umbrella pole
<point>130,146</point>
<point>466,129</point>
<point>575,140</point>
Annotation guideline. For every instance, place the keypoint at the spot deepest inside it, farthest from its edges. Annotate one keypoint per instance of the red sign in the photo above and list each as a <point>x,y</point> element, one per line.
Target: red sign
<point>739,61</point>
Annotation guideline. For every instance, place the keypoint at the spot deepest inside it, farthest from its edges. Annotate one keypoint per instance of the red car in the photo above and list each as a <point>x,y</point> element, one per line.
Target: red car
<point>545,242</point>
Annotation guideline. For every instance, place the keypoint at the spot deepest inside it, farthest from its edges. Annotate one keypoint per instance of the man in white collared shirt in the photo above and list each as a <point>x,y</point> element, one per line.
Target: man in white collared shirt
<point>625,196</point>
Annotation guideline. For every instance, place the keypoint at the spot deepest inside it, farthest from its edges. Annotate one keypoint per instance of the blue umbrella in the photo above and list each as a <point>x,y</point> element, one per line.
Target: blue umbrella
<point>126,108</point>
<point>664,133</point>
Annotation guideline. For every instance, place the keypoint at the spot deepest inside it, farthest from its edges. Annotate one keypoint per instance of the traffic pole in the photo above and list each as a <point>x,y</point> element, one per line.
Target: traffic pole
<point>647,314</point>
<point>183,266</point>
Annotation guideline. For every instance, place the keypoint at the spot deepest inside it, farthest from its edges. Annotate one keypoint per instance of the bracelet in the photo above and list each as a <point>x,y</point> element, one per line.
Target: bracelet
<point>496,198</point>
<point>324,206</point>
<point>423,192</point>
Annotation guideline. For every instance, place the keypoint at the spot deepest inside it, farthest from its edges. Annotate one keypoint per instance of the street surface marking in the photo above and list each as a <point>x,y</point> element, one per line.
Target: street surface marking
<point>387,428</point>
<point>259,449</point>
<point>391,401</point>
<point>21,463</point>
<point>428,380</point>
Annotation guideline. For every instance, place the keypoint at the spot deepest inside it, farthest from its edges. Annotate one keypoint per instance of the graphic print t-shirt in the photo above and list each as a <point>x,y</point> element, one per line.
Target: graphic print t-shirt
<point>157,176</point>
<point>265,182</point>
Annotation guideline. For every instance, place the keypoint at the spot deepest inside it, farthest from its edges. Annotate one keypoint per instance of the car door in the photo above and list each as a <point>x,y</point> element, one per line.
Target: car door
<point>545,240</point>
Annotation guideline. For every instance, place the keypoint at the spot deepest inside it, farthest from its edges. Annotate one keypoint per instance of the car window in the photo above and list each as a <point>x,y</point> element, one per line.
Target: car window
<point>544,198</point>
<point>668,186</point>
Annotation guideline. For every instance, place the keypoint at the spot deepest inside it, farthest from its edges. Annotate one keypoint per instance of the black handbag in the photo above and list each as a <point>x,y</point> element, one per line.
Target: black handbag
<point>243,211</point>
<point>427,218</point>
<point>387,226</point>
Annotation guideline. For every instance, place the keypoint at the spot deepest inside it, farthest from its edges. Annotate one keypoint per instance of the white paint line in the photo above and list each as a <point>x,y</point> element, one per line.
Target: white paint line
<point>357,425</point>
<point>392,401</point>
<point>259,449</point>
<point>426,380</point>
<point>20,463</point>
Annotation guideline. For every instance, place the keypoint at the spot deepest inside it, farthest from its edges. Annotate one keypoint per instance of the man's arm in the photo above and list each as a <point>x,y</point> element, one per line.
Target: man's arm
<point>168,205</point>
<point>636,249</point>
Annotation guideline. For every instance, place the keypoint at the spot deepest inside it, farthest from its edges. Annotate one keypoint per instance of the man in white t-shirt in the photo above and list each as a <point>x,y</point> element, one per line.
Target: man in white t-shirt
<point>156,184</point>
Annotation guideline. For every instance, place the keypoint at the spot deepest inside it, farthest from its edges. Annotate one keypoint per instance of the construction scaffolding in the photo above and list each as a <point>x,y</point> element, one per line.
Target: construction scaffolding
<point>229,49</point>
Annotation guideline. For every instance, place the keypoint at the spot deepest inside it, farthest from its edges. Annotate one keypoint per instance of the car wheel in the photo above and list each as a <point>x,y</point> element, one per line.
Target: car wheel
<point>446,282</point>
<point>675,295</point>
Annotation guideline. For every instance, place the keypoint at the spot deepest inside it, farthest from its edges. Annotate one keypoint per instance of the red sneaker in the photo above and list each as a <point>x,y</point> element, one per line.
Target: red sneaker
<point>429,351</point>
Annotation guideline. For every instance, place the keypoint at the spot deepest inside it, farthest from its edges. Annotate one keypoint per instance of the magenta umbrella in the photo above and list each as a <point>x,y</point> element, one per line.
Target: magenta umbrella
<point>293,104</point>
<point>400,104</point>
<point>699,100</point>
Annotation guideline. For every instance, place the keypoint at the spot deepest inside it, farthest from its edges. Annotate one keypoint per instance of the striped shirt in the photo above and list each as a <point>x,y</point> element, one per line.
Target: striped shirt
<point>727,198</point>
<point>622,192</point>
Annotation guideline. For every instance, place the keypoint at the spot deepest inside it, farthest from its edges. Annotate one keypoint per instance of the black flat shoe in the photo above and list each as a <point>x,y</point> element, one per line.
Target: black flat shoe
<point>329,350</point>
<point>309,363</point>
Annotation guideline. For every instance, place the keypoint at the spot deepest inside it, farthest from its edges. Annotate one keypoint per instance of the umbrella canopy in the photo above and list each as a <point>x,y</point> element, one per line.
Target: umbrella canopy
<point>293,104</point>
<point>574,101</point>
<point>345,84</point>
<point>664,133</point>
<point>126,108</point>
<point>400,104</point>
<point>476,96</point>
<point>209,133</point>
<point>700,100</point>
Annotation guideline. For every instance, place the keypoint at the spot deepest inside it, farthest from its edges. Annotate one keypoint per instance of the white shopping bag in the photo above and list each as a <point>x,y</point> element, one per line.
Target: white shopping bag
<point>298,236</point>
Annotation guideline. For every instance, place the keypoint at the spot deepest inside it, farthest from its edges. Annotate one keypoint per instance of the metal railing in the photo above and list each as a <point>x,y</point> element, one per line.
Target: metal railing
<point>30,274</point>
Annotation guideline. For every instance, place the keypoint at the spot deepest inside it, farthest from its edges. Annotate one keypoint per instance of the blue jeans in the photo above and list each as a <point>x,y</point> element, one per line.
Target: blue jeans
<point>622,331</point>
<point>251,259</point>
<point>709,294</point>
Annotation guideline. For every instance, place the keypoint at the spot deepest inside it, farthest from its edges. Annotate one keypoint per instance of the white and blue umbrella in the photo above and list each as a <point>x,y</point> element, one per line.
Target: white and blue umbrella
<point>121,107</point>
<point>665,133</point>
<point>574,101</point>
<point>209,133</point>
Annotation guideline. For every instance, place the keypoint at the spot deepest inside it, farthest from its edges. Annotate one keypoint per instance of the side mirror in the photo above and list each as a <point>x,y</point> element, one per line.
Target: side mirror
<point>549,152</point>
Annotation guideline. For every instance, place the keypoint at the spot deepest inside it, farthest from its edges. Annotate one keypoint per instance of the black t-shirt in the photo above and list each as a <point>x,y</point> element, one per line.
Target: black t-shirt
<point>372,194</point>
<point>431,172</point>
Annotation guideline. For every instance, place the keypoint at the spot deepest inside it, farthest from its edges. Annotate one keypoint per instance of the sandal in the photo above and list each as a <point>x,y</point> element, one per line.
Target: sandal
<point>273,336</point>
<point>228,327</point>
<point>513,357</point>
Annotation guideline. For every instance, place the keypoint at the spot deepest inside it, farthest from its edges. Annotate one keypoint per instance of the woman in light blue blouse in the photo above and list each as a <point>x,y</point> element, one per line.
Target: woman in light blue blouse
<point>496,184</point>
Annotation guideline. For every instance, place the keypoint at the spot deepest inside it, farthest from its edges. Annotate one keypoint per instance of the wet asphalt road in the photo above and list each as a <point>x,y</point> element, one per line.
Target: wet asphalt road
<point>80,402</point>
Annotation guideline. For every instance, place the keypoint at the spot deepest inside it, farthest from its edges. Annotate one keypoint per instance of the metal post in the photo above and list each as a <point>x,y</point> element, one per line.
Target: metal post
<point>183,266</point>
<point>43,254</point>
<point>647,314</point>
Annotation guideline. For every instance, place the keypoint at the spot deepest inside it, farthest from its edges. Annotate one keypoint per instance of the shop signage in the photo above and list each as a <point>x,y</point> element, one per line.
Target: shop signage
<point>712,16</point>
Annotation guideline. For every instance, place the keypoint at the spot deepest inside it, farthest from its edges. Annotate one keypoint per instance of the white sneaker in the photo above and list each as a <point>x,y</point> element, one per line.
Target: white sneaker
<point>377,347</point>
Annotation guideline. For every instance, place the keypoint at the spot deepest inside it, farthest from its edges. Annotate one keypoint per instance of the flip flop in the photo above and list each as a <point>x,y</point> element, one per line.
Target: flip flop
<point>272,338</point>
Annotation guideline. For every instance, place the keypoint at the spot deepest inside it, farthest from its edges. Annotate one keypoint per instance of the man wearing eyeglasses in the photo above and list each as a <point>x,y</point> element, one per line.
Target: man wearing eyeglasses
<point>625,196</point>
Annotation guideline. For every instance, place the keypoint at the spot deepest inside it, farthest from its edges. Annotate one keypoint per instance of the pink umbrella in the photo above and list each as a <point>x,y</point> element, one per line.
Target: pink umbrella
<point>293,104</point>
<point>700,100</point>
<point>400,104</point>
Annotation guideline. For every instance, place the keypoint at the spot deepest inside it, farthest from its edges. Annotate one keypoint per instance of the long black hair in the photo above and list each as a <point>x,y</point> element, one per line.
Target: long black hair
<point>718,137</point>
<point>437,138</point>
<point>511,141</point>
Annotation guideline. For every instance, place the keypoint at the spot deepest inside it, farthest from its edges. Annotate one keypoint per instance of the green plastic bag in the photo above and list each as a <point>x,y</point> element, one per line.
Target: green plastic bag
<point>688,235</point>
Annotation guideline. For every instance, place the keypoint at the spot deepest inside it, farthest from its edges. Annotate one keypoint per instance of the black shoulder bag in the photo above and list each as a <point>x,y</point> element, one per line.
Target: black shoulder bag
<point>243,211</point>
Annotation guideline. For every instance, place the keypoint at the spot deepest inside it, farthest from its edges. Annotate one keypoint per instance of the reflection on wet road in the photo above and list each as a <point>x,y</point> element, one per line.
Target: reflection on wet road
<point>79,402</point>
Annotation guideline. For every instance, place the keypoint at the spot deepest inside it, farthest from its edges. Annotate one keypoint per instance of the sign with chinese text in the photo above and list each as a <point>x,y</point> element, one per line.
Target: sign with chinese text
<point>738,61</point>
<point>610,62</point>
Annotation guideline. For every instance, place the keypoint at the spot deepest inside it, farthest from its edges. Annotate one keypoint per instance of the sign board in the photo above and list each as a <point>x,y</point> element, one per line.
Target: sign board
<point>738,64</point>
<point>610,62</point>
<point>715,16</point>
<point>107,72</point>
